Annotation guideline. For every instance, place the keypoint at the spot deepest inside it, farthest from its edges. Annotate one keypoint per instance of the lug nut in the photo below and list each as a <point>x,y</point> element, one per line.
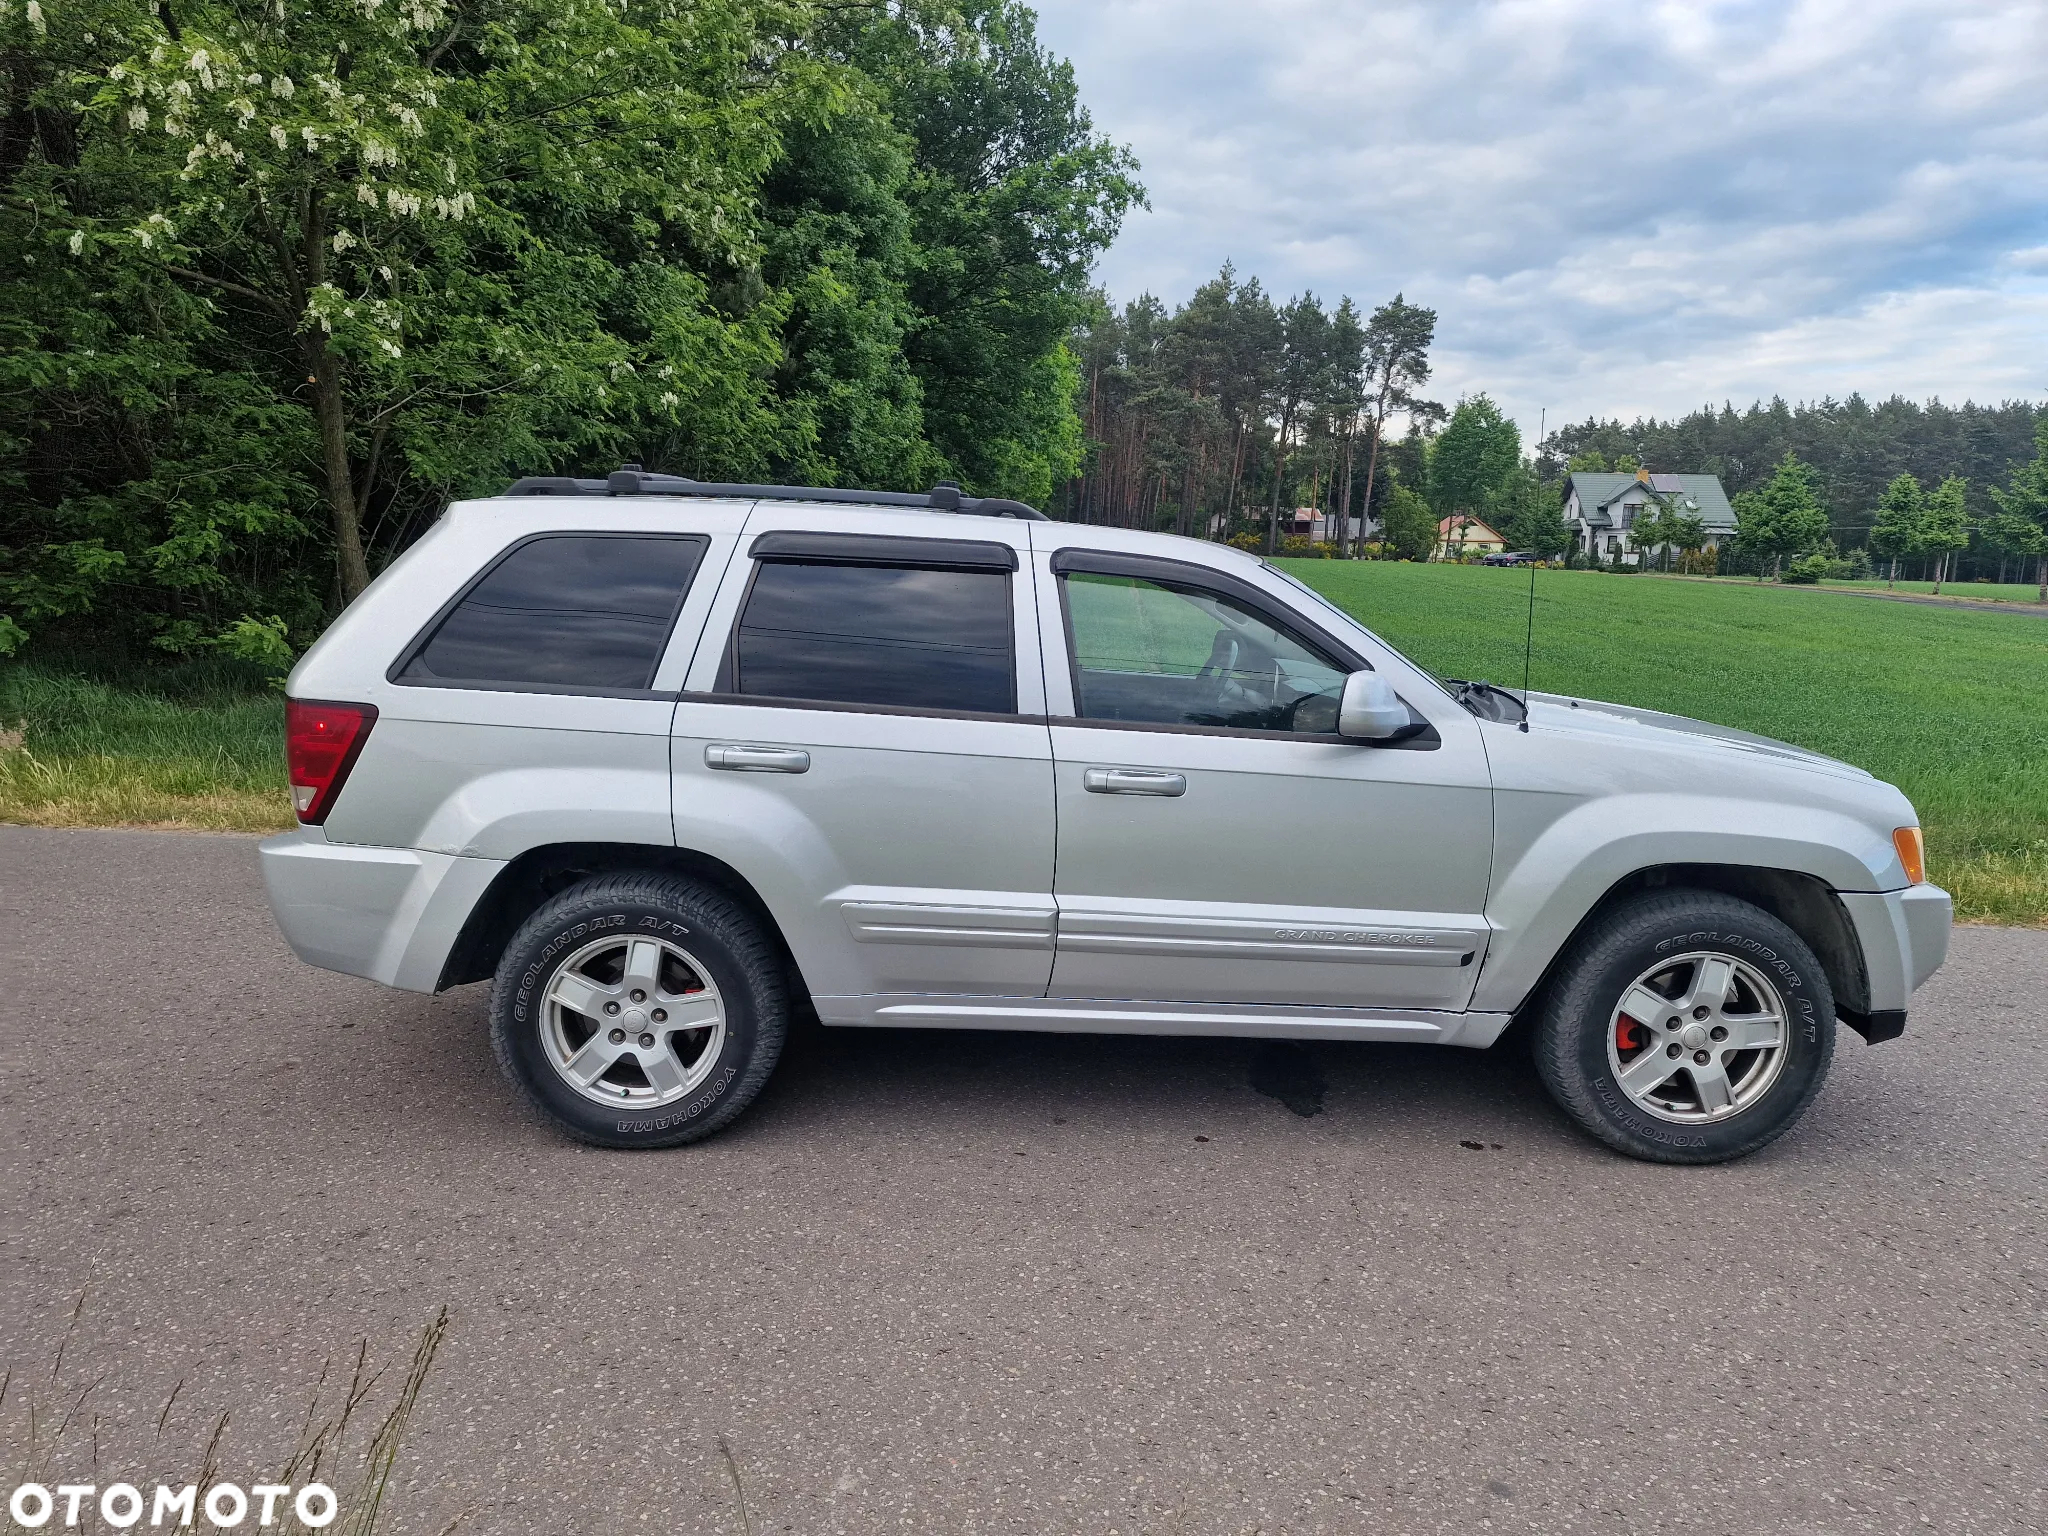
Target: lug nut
<point>1701,1057</point>
<point>1701,1012</point>
<point>639,996</point>
<point>611,1007</point>
<point>1718,1032</point>
<point>617,1037</point>
<point>646,1042</point>
<point>1675,1022</point>
<point>660,1015</point>
<point>1671,1050</point>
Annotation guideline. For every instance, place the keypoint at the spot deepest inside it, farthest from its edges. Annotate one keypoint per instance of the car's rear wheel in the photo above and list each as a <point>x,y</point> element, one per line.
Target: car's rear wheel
<point>1687,1027</point>
<point>639,1010</point>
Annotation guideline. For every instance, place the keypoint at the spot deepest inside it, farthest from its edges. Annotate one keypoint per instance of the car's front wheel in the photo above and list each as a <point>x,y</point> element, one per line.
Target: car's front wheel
<point>1687,1027</point>
<point>639,1010</point>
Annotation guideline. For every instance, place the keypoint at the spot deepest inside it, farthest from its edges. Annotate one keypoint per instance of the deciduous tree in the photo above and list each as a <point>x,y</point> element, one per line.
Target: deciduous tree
<point>1669,521</point>
<point>1012,196</point>
<point>1471,462</point>
<point>1656,527</point>
<point>1895,527</point>
<point>1689,533</point>
<point>282,283</point>
<point>2023,508</point>
<point>1784,517</point>
<point>1408,523</point>
<point>1945,524</point>
<point>361,180</point>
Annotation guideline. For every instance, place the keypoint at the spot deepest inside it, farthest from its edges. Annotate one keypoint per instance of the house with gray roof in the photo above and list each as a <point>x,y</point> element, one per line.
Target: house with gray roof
<point>1601,508</point>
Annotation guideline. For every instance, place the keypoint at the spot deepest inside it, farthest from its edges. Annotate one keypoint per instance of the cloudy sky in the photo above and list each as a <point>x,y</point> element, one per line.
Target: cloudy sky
<point>1614,207</point>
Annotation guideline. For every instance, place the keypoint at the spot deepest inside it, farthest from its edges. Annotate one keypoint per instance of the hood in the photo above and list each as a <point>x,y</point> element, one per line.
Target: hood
<point>1559,712</point>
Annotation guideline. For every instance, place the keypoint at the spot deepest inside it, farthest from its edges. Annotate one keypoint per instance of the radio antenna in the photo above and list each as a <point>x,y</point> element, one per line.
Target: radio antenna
<point>1529,634</point>
<point>1528,644</point>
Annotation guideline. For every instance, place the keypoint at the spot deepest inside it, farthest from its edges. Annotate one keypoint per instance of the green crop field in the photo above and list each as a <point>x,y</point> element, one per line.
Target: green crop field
<point>1950,705</point>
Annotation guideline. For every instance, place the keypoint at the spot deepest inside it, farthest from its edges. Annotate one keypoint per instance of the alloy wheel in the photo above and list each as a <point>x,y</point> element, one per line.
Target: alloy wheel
<point>1698,1038</point>
<point>633,1022</point>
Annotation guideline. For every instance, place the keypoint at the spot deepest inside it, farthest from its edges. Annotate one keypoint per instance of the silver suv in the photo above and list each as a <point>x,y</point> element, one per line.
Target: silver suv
<point>665,760</point>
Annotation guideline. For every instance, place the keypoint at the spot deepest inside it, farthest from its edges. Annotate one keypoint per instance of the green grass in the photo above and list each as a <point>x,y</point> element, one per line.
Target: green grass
<point>198,746</point>
<point>1950,705</point>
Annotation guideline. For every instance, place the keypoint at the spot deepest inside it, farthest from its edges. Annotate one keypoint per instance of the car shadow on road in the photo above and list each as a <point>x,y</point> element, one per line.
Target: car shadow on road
<point>1317,1085</point>
<point>921,1077</point>
<point>847,1084</point>
<point>883,1080</point>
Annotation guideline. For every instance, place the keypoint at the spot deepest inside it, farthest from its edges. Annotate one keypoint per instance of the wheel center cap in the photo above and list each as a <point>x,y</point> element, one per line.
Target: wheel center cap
<point>1695,1037</point>
<point>634,1019</point>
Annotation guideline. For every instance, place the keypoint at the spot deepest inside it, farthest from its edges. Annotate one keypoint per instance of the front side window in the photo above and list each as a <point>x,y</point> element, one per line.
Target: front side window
<point>1184,656</point>
<point>897,637</point>
<point>564,611</point>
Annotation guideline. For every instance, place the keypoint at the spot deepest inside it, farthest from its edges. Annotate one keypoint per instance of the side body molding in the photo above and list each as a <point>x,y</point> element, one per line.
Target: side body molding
<point>1097,1016</point>
<point>895,922</point>
<point>1287,937</point>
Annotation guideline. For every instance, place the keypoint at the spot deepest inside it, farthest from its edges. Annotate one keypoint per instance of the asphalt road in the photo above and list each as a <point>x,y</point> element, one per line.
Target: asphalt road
<point>961,1282</point>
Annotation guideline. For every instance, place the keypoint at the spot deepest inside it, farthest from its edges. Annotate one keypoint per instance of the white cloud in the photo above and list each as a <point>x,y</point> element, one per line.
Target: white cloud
<point>1613,206</point>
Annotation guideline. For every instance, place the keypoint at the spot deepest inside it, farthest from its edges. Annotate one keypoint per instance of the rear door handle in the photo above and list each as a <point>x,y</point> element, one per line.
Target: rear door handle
<point>1133,781</point>
<point>744,759</point>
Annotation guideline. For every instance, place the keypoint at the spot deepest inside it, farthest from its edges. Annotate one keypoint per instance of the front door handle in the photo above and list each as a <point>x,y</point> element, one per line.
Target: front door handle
<point>1133,781</point>
<point>745,759</point>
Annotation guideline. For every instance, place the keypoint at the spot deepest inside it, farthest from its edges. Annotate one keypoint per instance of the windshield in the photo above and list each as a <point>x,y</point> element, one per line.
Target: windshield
<point>1329,607</point>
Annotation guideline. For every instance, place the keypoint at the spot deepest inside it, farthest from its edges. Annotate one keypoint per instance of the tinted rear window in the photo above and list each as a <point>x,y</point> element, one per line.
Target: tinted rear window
<point>567,610</point>
<point>878,634</point>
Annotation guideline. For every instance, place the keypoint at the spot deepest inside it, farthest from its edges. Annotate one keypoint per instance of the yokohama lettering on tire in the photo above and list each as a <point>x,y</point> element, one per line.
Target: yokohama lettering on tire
<point>1686,1027</point>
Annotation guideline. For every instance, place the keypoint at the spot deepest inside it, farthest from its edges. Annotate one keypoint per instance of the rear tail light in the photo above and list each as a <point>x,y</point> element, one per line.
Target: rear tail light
<point>321,743</point>
<point>1912,851</point>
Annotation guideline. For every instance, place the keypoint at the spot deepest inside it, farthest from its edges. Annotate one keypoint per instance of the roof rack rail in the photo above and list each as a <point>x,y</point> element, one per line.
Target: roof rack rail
<point>555,485</point>
<point>632,480</point>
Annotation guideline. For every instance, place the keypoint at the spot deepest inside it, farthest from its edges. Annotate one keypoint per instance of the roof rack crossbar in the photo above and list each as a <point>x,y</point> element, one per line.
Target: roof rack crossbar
<point>632,480</point>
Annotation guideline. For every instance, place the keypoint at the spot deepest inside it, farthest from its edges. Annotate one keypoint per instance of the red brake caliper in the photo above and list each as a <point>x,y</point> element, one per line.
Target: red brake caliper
<point>1625,1033</point>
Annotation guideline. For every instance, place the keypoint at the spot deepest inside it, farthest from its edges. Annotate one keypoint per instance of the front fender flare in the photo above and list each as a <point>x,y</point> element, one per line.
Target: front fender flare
<point>1561,875</point>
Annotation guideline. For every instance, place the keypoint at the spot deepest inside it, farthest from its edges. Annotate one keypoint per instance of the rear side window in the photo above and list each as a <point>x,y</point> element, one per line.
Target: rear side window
<point>564,611</point>
<point>894,636</point>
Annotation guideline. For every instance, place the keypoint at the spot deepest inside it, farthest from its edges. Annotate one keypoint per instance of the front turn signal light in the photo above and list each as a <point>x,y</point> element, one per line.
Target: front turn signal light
<point>1912,853</point>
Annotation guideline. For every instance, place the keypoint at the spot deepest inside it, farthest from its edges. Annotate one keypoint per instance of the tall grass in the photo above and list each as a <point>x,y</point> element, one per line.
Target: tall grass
<point>199,746</point>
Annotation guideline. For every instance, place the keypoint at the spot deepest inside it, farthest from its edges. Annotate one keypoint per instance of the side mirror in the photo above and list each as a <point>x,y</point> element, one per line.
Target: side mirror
<point>1370,709</point>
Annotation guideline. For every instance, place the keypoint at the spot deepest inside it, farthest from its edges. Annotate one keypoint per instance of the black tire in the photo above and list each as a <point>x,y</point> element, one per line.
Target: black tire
<point>1572,1026</point>
<point>725,941</point>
